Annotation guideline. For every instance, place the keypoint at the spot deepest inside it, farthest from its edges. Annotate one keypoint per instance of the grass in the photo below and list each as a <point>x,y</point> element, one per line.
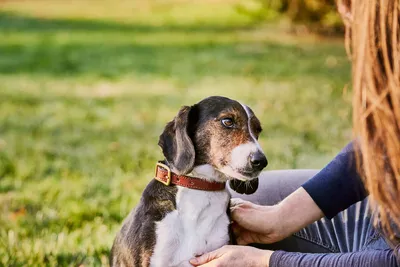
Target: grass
<point>86,89</point>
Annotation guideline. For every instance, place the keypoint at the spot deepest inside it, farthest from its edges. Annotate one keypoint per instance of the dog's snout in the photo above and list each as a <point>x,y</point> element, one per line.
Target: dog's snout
<point>258,160</point>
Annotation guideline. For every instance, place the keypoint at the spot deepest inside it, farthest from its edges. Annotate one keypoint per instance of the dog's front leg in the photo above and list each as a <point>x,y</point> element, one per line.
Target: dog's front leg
<point>167,241</point>
<point>232,238</point>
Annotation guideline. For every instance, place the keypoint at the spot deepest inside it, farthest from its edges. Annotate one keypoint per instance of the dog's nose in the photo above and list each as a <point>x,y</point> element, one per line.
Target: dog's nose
<point>258,160</point>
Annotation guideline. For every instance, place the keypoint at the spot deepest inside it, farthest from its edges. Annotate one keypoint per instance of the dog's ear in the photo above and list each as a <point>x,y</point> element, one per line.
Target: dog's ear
<point>176,144</point>
<point>247,187</point>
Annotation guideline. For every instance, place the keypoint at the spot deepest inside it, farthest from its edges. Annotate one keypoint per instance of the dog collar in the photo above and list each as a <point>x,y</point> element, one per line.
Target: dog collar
<point>164,175</point>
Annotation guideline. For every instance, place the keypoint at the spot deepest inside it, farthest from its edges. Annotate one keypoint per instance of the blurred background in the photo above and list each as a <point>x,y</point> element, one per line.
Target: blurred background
<point>86,87</point>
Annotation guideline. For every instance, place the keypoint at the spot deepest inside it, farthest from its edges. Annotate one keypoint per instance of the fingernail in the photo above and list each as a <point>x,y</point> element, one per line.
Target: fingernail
<point>193,261</point>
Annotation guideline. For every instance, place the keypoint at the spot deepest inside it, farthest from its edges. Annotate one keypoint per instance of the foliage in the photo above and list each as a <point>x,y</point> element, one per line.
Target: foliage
<point>317,15</point>
<point>86,90</point>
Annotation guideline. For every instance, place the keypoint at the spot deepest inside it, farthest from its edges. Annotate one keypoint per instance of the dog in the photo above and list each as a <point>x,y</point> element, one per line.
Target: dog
<point>184,211</point>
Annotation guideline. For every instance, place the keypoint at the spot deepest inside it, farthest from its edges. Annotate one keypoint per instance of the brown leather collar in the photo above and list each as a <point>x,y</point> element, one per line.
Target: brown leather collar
<point>165,176</point>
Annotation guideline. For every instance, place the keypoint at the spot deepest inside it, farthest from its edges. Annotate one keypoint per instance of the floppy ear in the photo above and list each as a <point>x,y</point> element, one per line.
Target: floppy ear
<point>248,187</point>
<point>176,144</point>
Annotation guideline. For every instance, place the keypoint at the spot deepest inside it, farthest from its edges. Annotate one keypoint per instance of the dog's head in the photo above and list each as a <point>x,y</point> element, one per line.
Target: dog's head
<point>217,133</point>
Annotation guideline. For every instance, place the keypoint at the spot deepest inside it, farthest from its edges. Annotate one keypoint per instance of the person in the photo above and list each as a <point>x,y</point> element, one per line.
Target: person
<point>347,214</point>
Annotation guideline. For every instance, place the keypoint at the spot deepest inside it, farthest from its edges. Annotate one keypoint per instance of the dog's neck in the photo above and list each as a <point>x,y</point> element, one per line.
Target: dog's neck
<point>205,172</point>
<point>208,173</point>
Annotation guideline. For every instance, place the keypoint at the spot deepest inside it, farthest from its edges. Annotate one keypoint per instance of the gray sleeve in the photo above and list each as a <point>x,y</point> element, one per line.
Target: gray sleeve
<point>366,258</point>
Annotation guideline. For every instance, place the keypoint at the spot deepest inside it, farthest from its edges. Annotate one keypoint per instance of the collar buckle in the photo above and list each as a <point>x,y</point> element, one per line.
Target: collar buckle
<point>168,177</point>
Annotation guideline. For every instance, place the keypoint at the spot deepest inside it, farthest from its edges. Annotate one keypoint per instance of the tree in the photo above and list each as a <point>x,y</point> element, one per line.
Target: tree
<point>318,15</point>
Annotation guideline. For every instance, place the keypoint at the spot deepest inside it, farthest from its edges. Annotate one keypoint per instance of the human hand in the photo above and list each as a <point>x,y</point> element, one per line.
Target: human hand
<point>268,224</point>
<point>256,224</point>
<point>234,256</point>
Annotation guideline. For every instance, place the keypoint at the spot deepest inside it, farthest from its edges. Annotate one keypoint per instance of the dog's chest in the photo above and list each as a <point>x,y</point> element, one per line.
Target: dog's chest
<point>203,217</point>
<point>198,225</point>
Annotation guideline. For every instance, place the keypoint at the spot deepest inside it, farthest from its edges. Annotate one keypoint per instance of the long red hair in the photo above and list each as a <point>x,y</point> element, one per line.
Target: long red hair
<point>373,42</point>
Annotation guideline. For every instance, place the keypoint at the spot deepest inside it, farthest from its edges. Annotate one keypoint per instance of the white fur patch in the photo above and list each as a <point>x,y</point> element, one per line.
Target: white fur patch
<point>253,137</point>
<point>207,172</point>
<point>238,161</point>
<point>240,155</point>
<point>198,225</point>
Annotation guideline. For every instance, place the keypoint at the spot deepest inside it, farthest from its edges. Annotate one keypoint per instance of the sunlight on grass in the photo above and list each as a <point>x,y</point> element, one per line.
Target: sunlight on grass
<point>87,89</point>
<point>155,12</point>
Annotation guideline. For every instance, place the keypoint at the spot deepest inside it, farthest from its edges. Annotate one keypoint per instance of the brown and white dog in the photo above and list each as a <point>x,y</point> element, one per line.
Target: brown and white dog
<point>211,142</point>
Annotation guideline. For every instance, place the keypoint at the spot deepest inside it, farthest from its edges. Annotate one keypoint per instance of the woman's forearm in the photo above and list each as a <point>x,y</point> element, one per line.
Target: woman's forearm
<point>338,185</point>
<point>335,188</point>
<point>366,258</point>
<point>297,211</point>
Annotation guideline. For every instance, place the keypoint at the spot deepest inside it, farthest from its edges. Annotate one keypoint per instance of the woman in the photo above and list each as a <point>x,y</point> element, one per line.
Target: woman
<point>328,220</point>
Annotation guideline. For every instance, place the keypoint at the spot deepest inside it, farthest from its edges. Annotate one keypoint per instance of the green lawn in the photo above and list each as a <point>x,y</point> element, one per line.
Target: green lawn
<point>86,88</point>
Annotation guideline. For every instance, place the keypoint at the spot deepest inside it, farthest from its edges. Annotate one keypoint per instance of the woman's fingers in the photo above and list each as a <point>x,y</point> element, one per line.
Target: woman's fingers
<point>254,223</point>
<point>203,259</point>
<point>248,215</point>
<point>238,202</point>
<point>207,257</point>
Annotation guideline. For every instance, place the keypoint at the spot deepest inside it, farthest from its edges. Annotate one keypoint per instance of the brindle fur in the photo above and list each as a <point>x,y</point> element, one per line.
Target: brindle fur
<point>213,143</point>
<point>134,244</point>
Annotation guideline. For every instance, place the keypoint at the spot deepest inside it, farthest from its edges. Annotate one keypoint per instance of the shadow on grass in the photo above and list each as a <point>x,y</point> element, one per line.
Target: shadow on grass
<point>10,21</point>
<point>182,61</point>
<point>80,259</point>
<point>97,257</point>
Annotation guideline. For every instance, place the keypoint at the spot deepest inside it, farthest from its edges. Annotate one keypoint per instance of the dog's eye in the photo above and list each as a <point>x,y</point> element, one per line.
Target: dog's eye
<point>228,123</point>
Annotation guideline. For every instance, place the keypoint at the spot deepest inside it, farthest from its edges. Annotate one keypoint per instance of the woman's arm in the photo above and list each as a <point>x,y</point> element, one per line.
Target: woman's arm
<point>366,258</point>
<point>333,189</point>
<point>337,186</point>
<point>269,224</point>
<point>237,256</point>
